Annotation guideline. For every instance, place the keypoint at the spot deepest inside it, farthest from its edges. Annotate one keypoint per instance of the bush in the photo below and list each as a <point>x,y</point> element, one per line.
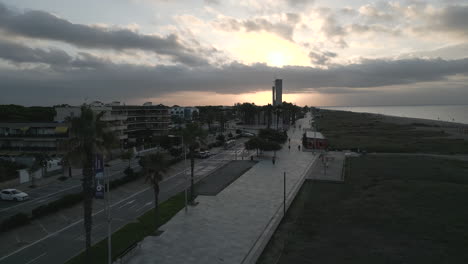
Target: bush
<point>238,131</point>
<point>62,178</point>
<point>66,201</point>
<point>230,135</point>
<point>273,135</point>
<point>221,138</point>
<point>8,170</point>
<point>175,152</point>
<point>16,220</point>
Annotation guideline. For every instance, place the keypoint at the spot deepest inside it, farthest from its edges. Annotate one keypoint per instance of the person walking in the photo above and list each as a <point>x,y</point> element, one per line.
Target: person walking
<point>299,147</point>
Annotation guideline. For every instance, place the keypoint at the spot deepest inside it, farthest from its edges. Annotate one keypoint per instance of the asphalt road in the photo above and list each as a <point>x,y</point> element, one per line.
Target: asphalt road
<point>57,246</point>
<point>53,191</point>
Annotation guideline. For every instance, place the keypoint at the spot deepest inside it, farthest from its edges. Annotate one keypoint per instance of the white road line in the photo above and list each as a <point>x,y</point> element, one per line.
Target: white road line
<point>65,218</point>
<point>31,201</point>
<point>79,221</point>
<point>65,228</point>
<point>146,204</point>
<point>43,228</point>
<point>34,259</point>
<point>52,194</point>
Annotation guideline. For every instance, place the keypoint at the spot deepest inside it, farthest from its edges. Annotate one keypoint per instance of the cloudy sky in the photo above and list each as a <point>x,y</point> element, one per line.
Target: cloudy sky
<point>195,52</point>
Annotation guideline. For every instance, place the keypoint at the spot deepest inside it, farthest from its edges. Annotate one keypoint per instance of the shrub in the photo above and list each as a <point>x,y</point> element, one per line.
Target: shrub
<point>273,135</point>
<point>52,207</point>
<point>221,138</point>
<point>16,220</point>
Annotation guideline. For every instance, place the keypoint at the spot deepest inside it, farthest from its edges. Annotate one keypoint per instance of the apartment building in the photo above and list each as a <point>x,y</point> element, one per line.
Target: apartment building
<point>132,124</point>
<point>47,137</point>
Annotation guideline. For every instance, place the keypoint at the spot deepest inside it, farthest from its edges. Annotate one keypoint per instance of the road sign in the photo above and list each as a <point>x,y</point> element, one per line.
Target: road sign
<point>99,167</point>
<point>99,194</point>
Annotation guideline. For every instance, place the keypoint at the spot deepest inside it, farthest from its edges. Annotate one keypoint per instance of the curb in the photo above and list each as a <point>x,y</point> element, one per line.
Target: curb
<point>261,242</point>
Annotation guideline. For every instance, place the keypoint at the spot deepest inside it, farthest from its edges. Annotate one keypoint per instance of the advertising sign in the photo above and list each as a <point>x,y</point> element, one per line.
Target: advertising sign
<point>99,194</point>
<point>99,176</point>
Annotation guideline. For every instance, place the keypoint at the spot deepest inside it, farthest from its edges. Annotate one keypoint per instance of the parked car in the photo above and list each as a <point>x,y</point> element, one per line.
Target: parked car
<point>203,154</point>
<point>247,134</point>
<point>13,195</point>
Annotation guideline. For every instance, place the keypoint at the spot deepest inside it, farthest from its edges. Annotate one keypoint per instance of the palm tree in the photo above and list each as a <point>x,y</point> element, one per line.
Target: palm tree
<point>192,135</point>
<point>88,137</point>
<point>154,166</point>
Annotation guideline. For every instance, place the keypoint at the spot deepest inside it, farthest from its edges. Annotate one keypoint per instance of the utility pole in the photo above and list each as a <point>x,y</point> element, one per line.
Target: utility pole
<point>109,219</point>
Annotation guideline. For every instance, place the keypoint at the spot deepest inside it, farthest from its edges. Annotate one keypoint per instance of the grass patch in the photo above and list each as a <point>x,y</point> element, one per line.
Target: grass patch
<point>389,210</point>
<point>348,130</point>
<point>133,232</point>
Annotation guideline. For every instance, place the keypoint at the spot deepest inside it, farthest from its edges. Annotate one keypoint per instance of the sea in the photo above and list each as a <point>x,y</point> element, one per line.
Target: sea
<point>451,113</point>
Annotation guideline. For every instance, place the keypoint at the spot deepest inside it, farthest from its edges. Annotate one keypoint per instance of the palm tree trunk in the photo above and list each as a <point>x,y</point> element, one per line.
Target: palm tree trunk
<point>88,208</point>
<point>156,204</point>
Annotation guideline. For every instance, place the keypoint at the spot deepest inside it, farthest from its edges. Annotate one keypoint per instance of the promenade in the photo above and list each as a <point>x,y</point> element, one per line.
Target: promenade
<point>234,225</point>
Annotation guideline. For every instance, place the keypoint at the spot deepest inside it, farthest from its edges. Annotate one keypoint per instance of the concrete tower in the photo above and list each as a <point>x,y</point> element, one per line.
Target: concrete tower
<point>274,97</point>
<point>278,92</point>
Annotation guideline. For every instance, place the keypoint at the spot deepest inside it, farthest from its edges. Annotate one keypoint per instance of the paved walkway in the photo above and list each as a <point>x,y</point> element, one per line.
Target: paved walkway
<point>230,227</point>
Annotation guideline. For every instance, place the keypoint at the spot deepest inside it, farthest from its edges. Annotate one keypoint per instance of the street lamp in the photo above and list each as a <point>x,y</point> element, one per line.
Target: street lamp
<point>185,165</point>
<point>109,219</point>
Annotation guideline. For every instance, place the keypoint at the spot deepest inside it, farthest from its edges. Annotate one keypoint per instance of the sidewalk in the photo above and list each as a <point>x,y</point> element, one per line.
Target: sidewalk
<point>235,225</point>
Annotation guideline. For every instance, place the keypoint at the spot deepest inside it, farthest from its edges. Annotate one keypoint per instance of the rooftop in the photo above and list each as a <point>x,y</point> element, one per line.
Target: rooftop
<point>314,134</point>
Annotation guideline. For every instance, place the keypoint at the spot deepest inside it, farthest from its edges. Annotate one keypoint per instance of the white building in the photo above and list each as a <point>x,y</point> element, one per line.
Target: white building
<point>185,113</point>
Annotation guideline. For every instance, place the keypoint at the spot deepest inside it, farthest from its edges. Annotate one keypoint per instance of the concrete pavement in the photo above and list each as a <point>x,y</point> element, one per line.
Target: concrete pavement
<point>235,225</point>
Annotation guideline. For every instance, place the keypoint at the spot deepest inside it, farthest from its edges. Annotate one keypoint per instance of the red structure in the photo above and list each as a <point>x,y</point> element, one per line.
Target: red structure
<point>314,140</point>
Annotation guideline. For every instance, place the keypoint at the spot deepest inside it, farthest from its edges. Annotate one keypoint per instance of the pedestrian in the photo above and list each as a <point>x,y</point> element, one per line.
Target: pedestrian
<point>289,147</point>
<point>299,147</point>
<point>273,160</point>
<point>289,140</point>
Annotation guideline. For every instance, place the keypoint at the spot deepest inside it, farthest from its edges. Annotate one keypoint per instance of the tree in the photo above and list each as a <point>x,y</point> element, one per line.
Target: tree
<point>192,135</point>
<point>128,155</point>
<point>89,136</point>
<point>154,166</point>
<point>259,143</point>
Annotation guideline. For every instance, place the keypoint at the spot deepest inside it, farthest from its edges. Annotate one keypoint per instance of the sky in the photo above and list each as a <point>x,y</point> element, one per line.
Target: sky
<point>220,52</point>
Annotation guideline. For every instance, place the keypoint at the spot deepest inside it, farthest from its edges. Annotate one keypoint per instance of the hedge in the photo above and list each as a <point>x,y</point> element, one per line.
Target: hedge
<point>16,220</point>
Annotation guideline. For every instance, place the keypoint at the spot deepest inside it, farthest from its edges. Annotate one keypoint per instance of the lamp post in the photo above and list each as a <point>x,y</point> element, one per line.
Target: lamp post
<point>109,219</point>
<point>185,166</point>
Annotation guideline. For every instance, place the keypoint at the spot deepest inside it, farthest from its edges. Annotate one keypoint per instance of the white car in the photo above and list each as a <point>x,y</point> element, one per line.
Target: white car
<point>13,194</point>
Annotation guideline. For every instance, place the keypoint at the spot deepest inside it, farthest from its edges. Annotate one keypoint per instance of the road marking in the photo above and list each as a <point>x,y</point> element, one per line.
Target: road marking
<point>127,203</point>
<point>43,228</point>
<point>146,204</point>
<point>30,201</point>
<point>52,194</point>
<point>65,218</point>
<point>67,227</point>
<point>81,220</point>
<point>34,259</point>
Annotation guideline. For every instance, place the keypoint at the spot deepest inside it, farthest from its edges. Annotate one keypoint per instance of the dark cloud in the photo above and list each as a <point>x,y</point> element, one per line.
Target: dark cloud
<point>283,29</point>
<point>109,81</point>
<point>42,25</point>
<point>55,58</point>
<point>321,58</point>
<point>452,19</point>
